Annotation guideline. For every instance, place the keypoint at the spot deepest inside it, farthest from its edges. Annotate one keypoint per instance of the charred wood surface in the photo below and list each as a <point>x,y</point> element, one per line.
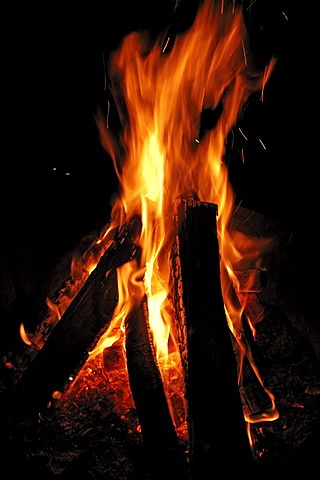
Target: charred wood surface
<point>158,432</point>
<point>81,325</point>
<point>255,399</point>
<point>216,420</point>
<point>254,396</point>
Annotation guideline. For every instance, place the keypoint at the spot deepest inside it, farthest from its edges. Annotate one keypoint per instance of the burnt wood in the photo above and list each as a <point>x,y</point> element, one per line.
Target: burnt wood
<point>158,432</point>
<point>216,423</point>
<point>83,322</point>
<point>255,398</point>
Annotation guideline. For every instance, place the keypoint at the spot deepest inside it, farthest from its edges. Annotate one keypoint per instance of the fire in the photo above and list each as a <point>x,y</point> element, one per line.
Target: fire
<point>161,90</point>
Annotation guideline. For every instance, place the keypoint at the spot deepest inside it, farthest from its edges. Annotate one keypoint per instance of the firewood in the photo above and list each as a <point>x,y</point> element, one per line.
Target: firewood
<point>254,396</point>
<point>80,327</point>
<point>216,421</point>
<point>158,432</point>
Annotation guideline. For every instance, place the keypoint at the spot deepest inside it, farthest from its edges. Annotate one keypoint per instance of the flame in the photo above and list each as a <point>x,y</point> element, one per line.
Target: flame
<point>161,89</point>
<point>24,336</point>
<point>80,270</point>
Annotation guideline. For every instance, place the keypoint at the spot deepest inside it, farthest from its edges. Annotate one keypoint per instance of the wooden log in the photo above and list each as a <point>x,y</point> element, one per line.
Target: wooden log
<point>80,327</point>
<point>217,428</point>
<point>255,399</point>
<point>252,281</point>
<point>158,432</point>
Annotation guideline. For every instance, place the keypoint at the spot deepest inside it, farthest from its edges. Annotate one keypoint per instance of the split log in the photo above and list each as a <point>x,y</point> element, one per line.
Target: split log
<point>252,281</point>
<point>216,421</point>
<point>158,432</point>
<point>83,322</point>
<point>255,399</point>
<point>254,396</point>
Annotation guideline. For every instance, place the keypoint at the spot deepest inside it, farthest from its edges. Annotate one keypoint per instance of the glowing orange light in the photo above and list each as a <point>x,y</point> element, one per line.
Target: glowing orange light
<point>24,335</point>
<point>160,92</point>
<point>160,155</point>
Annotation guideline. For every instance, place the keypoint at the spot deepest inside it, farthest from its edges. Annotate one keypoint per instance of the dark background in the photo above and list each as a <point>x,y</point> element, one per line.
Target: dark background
<point>56,179</point>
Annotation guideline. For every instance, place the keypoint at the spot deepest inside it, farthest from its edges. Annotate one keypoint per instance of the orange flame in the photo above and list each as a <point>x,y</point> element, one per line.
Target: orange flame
<point>160,90</point>
<point>24,336</point>
<point>160,93</point>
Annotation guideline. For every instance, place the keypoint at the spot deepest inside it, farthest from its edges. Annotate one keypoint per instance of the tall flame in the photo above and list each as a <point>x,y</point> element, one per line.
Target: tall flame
<point>160,93</point>
<point>160,153</point>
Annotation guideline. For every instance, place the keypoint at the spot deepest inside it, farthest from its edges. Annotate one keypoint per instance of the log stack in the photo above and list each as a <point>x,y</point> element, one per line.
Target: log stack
<point>216,424</point>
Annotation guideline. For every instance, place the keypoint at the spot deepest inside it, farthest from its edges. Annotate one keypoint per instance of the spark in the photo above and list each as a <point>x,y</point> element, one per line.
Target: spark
<point>242,155</point>
<point>250,216</point>
<point>237,208</point>
<point>176,5</point>
<point>263,145</point>
<point>285,15</point>
<point>242,133</point>
<point>196,140</point>
<point>222,7</point>
<point>253,1</point>
<point>244,54</point>
<point>166,44</point>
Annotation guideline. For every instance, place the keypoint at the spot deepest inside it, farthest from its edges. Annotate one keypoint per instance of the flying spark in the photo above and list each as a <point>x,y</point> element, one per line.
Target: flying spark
<point>242,134</point>
<point>166,44</point>
<point>263,145</point>
<point>254,1</point>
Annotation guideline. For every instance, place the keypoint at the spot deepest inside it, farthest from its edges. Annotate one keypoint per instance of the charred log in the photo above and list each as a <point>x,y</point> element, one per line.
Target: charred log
<point>80,327</point>
<point>215,414</point>
<point>254,396</point>
<point>158,432</point>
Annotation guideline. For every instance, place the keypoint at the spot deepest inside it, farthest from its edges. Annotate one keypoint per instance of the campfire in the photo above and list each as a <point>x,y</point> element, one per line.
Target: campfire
<point>160,311</point>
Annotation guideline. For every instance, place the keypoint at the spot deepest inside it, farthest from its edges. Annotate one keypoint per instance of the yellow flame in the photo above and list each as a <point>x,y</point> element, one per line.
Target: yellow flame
<point>160,91</point>
<point>24,335</point>
<point>160,94</point>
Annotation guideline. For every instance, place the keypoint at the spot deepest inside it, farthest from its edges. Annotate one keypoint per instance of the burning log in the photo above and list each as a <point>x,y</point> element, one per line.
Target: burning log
<point>256,401</point>
<point>215,414</point>
<point>80,327</point>
<point>251,283</point>
<point>158,432</point>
